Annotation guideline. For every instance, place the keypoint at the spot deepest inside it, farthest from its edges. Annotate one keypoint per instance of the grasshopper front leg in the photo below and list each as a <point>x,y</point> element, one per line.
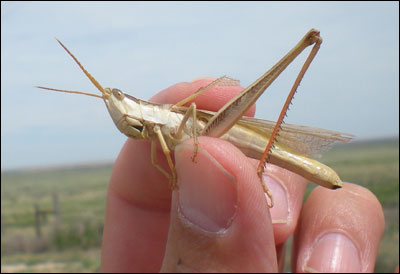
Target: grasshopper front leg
<point>167,152</point>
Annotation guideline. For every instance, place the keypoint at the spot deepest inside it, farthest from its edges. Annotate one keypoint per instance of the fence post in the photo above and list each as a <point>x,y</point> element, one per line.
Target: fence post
<point>3,228</point>
<point>37,220</point>
<point>56,207</point>
<point>56,210</point>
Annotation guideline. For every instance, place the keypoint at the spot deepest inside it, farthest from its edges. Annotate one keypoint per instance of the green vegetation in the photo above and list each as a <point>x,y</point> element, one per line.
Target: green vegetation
<point>72,244</point>
<point>372,164</point>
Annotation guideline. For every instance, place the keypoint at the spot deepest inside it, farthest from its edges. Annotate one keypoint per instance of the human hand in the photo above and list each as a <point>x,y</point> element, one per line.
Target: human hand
<point>218,219</point>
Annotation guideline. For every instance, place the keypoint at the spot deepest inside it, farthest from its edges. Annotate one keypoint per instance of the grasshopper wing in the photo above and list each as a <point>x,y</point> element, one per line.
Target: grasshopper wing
<point>308,141</point>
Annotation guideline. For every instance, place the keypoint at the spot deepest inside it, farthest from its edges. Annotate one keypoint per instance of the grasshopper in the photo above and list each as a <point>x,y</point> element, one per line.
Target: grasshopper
<point>285,145</point>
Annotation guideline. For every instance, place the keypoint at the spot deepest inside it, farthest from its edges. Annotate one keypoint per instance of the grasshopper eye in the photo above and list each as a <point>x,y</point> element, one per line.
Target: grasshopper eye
<point>118,94</point>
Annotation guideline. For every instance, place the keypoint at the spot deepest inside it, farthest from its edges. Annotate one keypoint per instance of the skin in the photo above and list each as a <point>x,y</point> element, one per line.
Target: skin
<point>148,228</point>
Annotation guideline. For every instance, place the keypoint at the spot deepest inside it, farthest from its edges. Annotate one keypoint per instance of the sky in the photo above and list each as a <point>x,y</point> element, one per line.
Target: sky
<point>144,47</point>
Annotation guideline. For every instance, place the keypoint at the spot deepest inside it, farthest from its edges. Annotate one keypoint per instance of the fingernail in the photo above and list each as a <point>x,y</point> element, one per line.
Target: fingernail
<point>280,211</point>
<point>207,191</point>
<point>334,252</point>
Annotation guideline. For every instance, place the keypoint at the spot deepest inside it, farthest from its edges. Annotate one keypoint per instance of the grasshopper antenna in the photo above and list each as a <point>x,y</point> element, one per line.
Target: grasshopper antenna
<point>70,91</point>
<point>91,78</point>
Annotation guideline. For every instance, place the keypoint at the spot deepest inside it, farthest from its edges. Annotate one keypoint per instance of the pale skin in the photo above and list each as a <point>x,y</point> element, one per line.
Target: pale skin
<point>145,231</point>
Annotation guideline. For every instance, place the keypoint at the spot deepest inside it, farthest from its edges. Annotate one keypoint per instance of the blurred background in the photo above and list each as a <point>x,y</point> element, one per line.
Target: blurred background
<point>57,149</point>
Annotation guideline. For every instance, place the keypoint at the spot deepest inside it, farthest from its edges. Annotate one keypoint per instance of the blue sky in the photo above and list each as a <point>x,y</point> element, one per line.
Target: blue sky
<point>144,47</point>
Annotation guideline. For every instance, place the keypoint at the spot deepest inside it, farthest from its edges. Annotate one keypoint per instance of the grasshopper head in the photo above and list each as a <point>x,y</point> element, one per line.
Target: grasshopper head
<point>123,108</point>
<point>125,112</point>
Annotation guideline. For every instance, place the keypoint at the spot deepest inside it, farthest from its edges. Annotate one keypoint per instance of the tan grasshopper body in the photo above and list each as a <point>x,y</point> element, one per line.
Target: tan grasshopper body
<point>287,145</point>
<point>136,119</point>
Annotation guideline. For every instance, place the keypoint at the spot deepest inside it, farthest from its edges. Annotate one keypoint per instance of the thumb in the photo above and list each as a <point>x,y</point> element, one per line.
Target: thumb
<point>219,216</point>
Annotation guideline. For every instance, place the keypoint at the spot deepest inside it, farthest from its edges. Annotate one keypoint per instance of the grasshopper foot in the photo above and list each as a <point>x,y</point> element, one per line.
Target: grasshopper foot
<point>172,183</point>
<point>195,149</point>
<point>265,188</point>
